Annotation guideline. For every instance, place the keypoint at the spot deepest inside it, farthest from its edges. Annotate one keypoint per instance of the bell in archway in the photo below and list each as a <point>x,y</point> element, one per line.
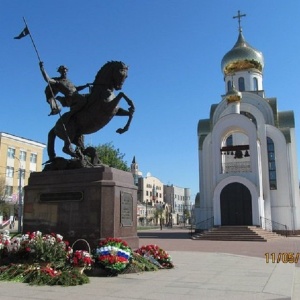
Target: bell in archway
<point>238,154</point>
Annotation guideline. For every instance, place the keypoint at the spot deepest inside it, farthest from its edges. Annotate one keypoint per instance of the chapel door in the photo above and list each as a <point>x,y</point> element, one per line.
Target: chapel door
<point>236,205</point>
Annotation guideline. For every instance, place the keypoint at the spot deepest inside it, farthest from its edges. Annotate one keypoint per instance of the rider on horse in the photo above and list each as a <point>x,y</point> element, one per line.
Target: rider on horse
<point>63,85</point>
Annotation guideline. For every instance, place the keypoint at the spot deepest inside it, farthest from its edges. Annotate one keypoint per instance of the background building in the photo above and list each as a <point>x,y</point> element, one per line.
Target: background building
<point>179,200</point>
<point>18,158</point>
<point>160,203</point>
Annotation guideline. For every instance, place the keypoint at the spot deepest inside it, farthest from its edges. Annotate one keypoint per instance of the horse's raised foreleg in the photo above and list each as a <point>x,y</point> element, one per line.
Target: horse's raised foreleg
<point>123,112</point>
<point>50,144</point>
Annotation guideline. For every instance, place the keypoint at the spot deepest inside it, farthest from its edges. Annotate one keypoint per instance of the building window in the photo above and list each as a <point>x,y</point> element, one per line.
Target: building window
<point>229,85</point>
<point>255,84</point>
<point>22,155</point>
<point>11,152</point>
<point>33,158</point>
<point>271,164</point>
<point>10,172</point>
<point>8,190</point>
<point>241,84</point>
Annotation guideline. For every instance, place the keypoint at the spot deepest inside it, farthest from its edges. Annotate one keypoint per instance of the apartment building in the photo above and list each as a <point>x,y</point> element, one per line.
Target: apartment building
<point>18,158</point>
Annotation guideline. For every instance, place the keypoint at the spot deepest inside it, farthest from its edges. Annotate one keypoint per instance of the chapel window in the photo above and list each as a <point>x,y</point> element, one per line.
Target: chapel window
<point>241,84</point>
<point>229,85</point>
<point>271,164</point>
<point>255,84</point>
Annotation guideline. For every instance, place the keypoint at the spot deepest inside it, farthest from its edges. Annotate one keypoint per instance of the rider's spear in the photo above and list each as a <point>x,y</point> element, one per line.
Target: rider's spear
<point>27,29</point>
<point>25,32</point>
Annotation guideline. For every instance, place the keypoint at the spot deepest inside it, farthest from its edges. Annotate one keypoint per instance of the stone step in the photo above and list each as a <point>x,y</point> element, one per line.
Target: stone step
<point>236,233</point>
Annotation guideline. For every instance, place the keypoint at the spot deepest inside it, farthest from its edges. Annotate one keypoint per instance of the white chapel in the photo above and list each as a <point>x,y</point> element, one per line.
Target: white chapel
<point>247,150</point>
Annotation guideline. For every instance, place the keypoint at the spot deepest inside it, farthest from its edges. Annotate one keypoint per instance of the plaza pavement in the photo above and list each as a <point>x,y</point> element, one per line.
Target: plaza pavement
<point>203,270</point>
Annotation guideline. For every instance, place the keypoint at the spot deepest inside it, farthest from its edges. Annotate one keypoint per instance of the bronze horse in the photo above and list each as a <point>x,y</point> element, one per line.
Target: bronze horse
<point>101,107</point>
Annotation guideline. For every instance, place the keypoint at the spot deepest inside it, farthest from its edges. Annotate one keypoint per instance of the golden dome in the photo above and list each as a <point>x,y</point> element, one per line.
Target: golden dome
<point>233,95</point>
<point>242,57</point>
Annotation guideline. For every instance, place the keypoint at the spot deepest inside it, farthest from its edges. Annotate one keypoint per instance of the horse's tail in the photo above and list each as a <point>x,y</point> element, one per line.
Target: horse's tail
<point>51,143</point>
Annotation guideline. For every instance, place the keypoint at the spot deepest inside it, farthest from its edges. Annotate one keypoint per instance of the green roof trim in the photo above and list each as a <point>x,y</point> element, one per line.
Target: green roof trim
<point>202,131</point>
<point>273,104</point>
<point>203,126</point>
<point>212,110</point>
<point>286,119</point>
<point>201,140</point>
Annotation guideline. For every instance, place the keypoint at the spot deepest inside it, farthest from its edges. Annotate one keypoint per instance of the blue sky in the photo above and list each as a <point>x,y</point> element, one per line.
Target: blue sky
<point>174,50</point>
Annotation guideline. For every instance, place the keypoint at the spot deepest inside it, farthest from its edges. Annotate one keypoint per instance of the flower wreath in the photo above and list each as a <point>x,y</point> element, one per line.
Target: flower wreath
<point>156,255</point>
<point>113,254</point>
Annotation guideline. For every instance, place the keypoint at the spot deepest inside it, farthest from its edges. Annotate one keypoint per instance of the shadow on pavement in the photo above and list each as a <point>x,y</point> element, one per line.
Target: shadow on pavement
<point>163,235</point>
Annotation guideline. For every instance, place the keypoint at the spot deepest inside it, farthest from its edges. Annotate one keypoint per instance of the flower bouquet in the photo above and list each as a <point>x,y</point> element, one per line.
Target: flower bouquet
<point>46,249</point>
<point>113,254</point>
<point>81,260</point>
<point>34,247</point>
<point>38,259</point>
<point>156,255</point>
<point>5,242</point>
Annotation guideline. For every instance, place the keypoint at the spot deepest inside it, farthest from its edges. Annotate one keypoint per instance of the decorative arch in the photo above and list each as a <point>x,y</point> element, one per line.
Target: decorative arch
<point>236,205</point>
<point>257,207</point>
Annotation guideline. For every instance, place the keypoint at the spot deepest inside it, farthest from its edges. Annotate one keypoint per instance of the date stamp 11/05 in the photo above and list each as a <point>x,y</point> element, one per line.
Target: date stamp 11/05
<point>284,257</point>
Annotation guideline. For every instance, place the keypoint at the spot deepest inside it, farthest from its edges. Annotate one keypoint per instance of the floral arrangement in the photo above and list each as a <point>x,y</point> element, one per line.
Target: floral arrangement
<point>156,255</point>
<point>47,248</point>
<point>4,243</point>
<point>35,247</point>
<point>113,254</point>
<point>37,275</point>
<point>81,259</point>
<point>37,258</point>
<point>46,259</point>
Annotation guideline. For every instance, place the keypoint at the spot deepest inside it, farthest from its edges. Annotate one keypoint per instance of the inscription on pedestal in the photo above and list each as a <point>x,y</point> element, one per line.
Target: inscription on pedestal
<point>126,209</point>
<point>58,197</point>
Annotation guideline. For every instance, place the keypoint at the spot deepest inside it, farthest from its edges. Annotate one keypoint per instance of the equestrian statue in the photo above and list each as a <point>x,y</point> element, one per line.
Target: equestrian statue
<point>100,107</point>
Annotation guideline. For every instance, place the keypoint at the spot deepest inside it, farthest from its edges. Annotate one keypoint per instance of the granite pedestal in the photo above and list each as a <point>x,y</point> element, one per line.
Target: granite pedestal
<point>89,203</point>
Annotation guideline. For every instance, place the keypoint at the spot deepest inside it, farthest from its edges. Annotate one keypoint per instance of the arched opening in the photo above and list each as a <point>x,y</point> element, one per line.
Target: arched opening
<point>235,153</point>
<point>236,205</point>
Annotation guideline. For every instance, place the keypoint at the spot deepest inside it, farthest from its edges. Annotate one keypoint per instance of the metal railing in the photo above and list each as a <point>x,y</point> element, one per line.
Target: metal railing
<point>202,225</point>
<point>270,225</point>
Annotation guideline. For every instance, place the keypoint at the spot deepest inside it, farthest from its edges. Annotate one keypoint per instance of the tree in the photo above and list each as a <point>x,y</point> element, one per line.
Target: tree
<point>111,156</point>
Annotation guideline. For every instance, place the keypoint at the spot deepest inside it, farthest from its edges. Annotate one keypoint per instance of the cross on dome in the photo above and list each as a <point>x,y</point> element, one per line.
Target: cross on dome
<point>239,16</point>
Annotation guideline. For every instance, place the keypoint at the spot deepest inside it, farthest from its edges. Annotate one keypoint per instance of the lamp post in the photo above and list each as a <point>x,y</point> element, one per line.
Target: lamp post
<point>20,201</point>
<point>146,213</point>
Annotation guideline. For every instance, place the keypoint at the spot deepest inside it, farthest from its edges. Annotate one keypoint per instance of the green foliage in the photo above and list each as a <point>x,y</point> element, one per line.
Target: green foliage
<point>37,275</point>
<point>4,209</point>
<point>111,156</point>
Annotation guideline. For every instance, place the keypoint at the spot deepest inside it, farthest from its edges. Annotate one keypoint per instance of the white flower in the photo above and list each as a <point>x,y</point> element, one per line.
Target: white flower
<point>58,236</point>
